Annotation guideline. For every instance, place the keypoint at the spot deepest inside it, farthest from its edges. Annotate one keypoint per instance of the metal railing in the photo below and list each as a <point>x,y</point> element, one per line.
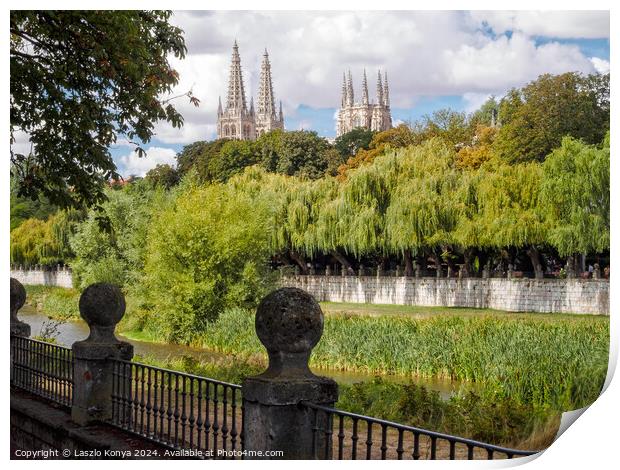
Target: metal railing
<point>339,438</point>
<point>178,410</point>
<point>43,369</point>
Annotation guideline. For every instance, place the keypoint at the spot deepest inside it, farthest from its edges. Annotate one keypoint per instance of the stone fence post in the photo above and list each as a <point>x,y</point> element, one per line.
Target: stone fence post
<point>289,323</point>
<point>102,306</point>
<point>18,299</point>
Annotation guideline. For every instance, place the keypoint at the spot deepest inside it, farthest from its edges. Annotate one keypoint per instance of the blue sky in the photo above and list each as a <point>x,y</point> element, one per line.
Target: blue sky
<point>434,60</point>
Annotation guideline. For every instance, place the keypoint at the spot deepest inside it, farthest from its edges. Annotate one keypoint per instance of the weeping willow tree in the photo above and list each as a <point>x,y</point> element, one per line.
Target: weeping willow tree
<point>510,212</point>
<point>295,221</point>
<point>42,242</point>
<point>575,190</point>
<point>468,233</point>
<point>424,207</point>
<point>355,220</point>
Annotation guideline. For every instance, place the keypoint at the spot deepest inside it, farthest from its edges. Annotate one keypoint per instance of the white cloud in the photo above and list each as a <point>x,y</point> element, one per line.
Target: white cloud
<point>558,24</point>
<point>131,164</point>
<point>506,62</point>
<point>475,100</point>
<point>601,65</point>
<point>424,52</point>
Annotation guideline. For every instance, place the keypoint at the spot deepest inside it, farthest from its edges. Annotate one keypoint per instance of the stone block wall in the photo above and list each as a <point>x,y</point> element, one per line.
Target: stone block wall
<point>44,277</point>
<point>585,296</point>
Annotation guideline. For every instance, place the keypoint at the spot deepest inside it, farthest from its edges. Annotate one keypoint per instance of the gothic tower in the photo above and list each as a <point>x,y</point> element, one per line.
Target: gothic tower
<point>367,114</point>
<point>235,121</point>
<point>266,117</point>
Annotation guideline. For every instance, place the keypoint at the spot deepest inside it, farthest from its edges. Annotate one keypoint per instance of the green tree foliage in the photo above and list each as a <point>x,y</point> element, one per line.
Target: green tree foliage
<point>162,175</point>
<point>350,143</point>
<point>207,251</point>
<point>115,254</point>
<point>40,242</point>
<point>397,137</point>
<point>535,118</point>
<point>80,79</point>
<point>233,157</point>
<point>23,208</point>
<point>452,127</point>
<point>425,208</point>
<point>196,157</point>
<point>302,153</point>
<point>575,193</point>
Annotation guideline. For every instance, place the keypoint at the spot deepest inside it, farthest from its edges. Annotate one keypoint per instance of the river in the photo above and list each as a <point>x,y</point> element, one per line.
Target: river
<point>77,330</point>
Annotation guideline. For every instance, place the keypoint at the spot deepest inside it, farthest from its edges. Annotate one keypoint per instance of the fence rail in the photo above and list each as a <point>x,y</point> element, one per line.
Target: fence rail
<point>340,439</point>
<point>43,369</point>
<point>178,410</point>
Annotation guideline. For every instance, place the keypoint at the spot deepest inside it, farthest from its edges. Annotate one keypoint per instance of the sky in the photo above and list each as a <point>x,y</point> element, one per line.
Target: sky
<point>434,60</point>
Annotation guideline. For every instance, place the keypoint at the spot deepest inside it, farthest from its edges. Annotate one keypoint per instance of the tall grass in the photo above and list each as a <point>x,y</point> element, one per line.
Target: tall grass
<point>56,302</point>
<point>556,362</point>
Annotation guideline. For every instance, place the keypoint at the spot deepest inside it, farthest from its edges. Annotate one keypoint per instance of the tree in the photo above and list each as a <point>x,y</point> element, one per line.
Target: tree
<point>79,81</point>
<point>197,157</point>
<point>510,209</point>
<point>302,153</point>
<point>536,118</point>
<point>481,150</point>
<point>575,193</point>
<point>424,207</point>
<point>207,251</point>
<point>37,241</point>
<point>23,208</point>
<point>350,143</point>
<point>162,175</point>
<point>232,158</point>
<point>397,137</point>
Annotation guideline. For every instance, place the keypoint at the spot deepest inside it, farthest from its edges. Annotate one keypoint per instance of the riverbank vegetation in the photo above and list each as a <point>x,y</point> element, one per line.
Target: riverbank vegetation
<point>555,362</point>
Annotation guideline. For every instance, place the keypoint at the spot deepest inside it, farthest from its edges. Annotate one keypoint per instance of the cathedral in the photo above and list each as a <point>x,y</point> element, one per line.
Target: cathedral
<point>367,114</point>
<point>236,121</point>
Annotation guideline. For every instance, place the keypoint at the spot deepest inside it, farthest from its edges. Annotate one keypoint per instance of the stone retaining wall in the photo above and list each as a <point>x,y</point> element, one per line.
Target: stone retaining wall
<point>44,277</point>
<point>589,296</point>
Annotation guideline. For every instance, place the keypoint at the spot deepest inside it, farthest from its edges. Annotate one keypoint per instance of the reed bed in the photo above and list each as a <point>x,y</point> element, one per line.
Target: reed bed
<point>557,362</point>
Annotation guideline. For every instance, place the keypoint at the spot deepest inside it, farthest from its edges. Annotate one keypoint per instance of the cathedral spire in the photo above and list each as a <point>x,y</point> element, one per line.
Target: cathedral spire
<point>266,106</point>
<point>343,99</point>
<point>350,96</point>
<point>252,106</point>
<point>386,92</point>
<point>236,92</point>
<point>379,89</point>
<point>219,106</point>
<point>364,89</point>
<point>281,117</point>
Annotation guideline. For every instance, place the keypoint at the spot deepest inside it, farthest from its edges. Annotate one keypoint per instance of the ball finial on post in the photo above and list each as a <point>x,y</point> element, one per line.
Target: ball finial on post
<point>289,323</point>
<point>102,306</point>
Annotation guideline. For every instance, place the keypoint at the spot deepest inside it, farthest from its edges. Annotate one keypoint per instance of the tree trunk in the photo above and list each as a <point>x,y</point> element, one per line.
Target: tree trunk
<point>408,263</point>
<point>344,262</point>
<point>300,260</point>
<point>534,255</point>
<point>449,261</point>
<point>437,260</point>
<point>468,255</point>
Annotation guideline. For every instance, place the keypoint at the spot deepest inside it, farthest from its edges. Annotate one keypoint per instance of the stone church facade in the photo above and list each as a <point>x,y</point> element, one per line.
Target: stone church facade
<point>366,113</point>
<point>236,121</point>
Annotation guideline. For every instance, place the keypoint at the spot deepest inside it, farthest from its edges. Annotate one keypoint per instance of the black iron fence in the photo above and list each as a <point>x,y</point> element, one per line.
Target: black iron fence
<point>43,369</point>
<point>178,410</point>
<point>349,436</point>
